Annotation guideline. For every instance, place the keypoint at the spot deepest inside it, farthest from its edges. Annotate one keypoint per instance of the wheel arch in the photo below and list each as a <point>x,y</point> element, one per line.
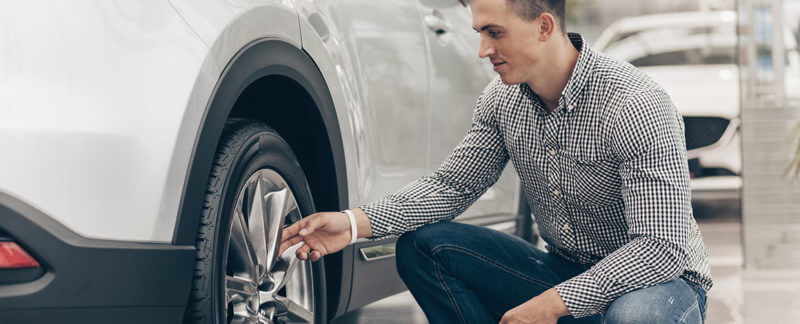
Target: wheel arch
<point>275,82</point>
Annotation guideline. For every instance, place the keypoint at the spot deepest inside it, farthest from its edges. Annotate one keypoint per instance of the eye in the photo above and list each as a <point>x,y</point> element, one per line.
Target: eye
<point>493,34</point>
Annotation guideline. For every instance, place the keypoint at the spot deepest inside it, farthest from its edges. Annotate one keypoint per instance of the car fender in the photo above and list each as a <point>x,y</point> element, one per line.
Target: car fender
<point>91,94</point>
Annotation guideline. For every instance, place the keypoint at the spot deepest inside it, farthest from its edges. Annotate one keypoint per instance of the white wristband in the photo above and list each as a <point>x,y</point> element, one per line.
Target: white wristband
<point>352,217</point>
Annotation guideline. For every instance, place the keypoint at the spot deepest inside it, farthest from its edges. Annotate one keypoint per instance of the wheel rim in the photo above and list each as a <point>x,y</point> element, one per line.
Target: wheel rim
<point>260,285</point>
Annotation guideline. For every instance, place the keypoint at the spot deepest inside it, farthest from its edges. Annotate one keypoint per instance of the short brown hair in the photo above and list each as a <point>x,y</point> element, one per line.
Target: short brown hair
<point>529,10</point>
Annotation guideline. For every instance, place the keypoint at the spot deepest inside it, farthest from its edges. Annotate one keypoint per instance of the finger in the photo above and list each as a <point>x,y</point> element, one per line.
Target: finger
<point>316,244</point>
<point>289,243</point>
<point>302,252</point>
<point>292,230</point>
<point>318,249</point>
<point>312,223</point>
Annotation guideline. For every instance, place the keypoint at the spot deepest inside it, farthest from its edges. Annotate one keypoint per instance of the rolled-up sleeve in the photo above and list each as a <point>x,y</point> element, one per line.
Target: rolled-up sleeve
<point>473,166</point>
<point>647,137</point>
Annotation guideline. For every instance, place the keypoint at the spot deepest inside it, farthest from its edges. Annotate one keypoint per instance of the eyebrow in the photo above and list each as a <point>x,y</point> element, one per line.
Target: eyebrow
<point>485,27</point>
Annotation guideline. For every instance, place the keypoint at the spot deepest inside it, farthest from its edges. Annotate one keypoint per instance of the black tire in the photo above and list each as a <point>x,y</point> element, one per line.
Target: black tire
<point>245,147</point>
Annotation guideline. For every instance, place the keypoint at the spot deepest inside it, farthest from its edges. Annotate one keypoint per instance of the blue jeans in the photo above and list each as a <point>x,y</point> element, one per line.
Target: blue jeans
<point>470,274</point>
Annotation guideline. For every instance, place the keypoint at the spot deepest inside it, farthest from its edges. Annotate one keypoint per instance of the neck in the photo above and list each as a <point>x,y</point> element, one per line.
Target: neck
<point>556,68</point>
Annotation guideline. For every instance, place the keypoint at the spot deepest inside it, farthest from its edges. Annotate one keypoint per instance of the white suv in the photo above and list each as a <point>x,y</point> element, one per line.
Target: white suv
<point>151,151</point>
<point>693,56</point>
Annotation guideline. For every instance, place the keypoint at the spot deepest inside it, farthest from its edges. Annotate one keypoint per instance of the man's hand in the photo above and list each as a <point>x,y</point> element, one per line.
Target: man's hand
<point>323,233</point>
<point>545,308</point>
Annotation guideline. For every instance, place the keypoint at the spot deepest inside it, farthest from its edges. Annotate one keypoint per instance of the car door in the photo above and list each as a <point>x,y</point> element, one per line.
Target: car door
<point>390,47</point>
<point>457,76</point>
<point>384,54</point>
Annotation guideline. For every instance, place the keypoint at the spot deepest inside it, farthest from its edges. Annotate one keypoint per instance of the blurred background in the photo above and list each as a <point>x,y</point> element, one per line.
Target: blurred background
<point>733,70</point>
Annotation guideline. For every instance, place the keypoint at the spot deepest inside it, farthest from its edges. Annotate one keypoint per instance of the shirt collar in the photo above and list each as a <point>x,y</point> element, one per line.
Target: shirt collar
<point>580,74</point>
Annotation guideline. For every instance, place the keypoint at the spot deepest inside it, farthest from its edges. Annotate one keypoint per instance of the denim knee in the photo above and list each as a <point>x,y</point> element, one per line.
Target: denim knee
<point>412,248</point>
<point>634,313</point>
<point>427,237</point>
<point>671,302</point>
<point>642,313</point>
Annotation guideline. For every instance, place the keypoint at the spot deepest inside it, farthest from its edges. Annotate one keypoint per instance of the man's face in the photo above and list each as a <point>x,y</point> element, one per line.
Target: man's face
<point>511,44</point>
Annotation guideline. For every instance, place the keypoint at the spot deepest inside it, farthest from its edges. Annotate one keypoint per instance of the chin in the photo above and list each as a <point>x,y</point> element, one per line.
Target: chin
<point>508,80</point>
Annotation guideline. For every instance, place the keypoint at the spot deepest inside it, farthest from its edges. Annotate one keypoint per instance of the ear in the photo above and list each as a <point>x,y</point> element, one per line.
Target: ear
<point>547,26</point>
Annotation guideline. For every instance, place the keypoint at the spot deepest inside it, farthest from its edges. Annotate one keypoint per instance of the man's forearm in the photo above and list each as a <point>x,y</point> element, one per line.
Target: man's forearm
<point>556,304</point>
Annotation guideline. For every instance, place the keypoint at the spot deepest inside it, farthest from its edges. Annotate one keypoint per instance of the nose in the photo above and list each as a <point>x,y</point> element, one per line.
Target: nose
<point>485,48</point>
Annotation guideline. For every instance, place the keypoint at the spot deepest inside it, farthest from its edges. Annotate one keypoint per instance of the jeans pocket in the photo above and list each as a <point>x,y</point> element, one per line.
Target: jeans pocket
<point>702,301</point>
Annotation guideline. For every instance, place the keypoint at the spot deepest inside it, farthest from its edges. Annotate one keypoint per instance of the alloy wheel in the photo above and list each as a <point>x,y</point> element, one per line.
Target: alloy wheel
<point>260,285</point>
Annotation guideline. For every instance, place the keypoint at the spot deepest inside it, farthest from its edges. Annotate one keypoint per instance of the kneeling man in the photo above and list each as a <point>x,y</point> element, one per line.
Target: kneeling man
<point>599,149</point>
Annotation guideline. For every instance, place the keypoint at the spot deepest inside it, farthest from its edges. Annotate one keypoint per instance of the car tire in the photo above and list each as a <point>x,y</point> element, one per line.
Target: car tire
<point>238,276</point>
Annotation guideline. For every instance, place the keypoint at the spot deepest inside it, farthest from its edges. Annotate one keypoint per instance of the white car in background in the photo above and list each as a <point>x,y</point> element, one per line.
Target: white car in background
<point>152,150</point>
<point>693,56</point>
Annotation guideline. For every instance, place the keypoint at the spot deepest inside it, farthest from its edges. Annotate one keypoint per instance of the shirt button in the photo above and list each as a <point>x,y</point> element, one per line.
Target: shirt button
<point>557,192</point>
<point>552,152</point>
<point>390,228</point>
<point>566,227</point>
<point>570,107</point>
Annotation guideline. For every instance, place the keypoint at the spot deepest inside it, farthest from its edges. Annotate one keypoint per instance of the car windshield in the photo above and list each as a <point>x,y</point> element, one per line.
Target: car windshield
<point>676,45</point>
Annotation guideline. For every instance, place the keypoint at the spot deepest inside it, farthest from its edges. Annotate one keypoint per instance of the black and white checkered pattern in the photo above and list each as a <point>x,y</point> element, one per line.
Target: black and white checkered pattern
<point>605,175</point>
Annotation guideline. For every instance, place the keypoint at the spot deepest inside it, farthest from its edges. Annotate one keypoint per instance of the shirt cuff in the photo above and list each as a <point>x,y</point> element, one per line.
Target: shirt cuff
<point>385,218</point>
<point>582,295</point>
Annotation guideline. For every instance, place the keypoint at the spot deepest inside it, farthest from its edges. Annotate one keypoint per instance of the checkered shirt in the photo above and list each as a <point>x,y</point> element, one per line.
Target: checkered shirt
<point>605,175</point>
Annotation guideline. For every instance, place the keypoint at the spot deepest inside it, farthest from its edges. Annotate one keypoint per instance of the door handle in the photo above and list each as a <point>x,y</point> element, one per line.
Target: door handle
<point>436,23</point>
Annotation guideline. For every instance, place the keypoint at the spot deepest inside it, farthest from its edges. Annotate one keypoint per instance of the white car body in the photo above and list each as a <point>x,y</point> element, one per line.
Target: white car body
<point>111,112</point>
<point>101,101</point>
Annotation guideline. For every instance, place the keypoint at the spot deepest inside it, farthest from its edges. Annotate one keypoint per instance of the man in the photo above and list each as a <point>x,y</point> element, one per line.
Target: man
<point>600,151</point>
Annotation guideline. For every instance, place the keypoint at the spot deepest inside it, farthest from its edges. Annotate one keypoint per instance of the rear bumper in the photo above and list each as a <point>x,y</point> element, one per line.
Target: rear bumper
<point>88,280</point>
<point>716,188</point>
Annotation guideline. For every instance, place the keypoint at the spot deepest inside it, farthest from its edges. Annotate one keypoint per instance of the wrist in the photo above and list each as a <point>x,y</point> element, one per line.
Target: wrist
<point>557,306</point>
<point>363,225</point>
<point>353,229</point>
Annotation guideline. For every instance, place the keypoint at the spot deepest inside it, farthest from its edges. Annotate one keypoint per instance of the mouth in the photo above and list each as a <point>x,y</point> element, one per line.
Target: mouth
<point>497,65</point>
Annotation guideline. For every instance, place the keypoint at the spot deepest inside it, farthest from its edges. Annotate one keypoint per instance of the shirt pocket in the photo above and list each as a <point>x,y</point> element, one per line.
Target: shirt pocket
<point>603,226</point>
<point>592,180</point>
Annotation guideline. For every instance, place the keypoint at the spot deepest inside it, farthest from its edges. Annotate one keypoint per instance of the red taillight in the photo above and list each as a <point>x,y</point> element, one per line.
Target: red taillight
<point>12,256</point>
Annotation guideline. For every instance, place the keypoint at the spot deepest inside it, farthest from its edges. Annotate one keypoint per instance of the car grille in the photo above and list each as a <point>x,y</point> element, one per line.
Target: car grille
<point>703,131</point>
